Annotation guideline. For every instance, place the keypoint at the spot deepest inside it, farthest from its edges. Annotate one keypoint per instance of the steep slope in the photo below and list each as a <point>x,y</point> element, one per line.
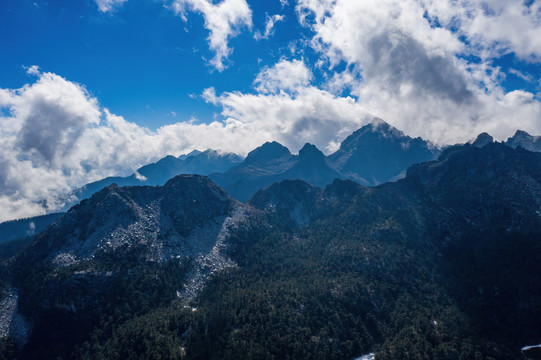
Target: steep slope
<point>437,265</point>
<point>484,207</point>
<point>311,167</point>
<point>181,232</point>
<point>378,152</point>
<point>483,139</point>
<point>349,270</point>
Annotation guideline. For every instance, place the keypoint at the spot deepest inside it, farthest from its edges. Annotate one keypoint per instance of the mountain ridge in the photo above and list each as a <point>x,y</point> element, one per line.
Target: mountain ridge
<point>421,266</point>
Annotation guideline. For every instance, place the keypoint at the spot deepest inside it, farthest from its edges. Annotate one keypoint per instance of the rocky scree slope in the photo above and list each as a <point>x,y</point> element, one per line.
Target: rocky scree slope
<point>186,228</point>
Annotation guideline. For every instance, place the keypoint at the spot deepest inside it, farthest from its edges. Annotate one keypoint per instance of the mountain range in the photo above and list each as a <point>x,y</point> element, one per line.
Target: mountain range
<point>440,264</point>
<point>374,154</point>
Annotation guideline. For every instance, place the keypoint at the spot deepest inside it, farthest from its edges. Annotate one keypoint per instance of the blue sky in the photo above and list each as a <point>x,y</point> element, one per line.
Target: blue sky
<point>140,60</point>
<point>94,88</point>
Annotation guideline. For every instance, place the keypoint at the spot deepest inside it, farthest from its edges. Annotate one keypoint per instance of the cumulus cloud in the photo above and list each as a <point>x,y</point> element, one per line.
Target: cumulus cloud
<point>51,130</point>
<point>56,137</point>
<point>224,21</point>
<point>406,62</point>
<point>269,26</point>
<point>209,95</point>
<point>109,5</point>
<point>492,27</point>
<point>283,76</point>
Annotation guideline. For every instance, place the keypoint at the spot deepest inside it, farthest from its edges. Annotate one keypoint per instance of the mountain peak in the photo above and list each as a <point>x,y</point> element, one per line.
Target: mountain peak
<point>482,140</point>
<point>525,140</point>
<point>310,151</point>
<point>192,153</point>
<point>268,151</point>
<point>377,122</point>
<point>378,152</point>
<point>521,133</point>
<point>196,185</point>
<point>383,128</point>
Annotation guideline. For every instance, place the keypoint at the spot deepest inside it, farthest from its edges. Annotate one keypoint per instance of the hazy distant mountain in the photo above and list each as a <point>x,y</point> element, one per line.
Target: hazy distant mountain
<point>271,163</point>
<point>196,162</point>
<point>191,153</point>
<point>483,139</point>
<point>378,152</point>
<point>525,140</point>
<point>437,265</point>
<point>21,228</point>
<point>261,168</point>
<point>312,167</point>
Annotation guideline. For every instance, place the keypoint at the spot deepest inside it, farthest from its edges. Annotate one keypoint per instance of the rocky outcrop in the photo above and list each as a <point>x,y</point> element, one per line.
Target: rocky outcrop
<point>12,323</point>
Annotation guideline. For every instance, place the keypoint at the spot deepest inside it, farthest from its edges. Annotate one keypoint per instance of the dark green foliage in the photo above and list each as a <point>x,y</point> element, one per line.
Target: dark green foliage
<point>441,265</point>
<point>95,296</point>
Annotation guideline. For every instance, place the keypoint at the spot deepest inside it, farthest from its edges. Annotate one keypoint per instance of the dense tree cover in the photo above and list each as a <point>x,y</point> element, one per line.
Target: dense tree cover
<point>441,265</point>
<point>92,297</point>
<point>337,289</point>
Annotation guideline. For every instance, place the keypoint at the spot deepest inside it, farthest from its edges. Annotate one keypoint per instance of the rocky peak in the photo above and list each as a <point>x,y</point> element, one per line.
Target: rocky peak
<point>525,140</point>
<point>311,152</point>
<point>193,200</point>
<point>268,151</point>
<point>191,153</point>
<point>383,128</point>
<point>378,152</point>
<point>482,140</point>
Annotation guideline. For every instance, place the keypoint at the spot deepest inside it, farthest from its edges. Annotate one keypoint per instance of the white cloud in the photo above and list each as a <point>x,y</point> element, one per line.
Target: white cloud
<point>209,95</point>
<point>269,26</point>
<point>139,176</point>
<point>283,76</point>
<point>224,20</point>
<point>521,75</point>
<point>411,72</point>
<point>79,142</point>
<point>493,27</point>
<point>55,137</point>
<point>109,5</point>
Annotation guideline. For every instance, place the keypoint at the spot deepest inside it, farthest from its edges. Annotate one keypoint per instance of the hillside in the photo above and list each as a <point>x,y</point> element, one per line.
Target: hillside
<point>435,266</point>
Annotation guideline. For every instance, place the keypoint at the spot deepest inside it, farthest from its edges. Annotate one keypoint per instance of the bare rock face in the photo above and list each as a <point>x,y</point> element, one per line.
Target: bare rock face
<point>12,324</point>
<point>171,221</point>
<point>525,140</point>
<point>482,140</point>
<point>188,220</point>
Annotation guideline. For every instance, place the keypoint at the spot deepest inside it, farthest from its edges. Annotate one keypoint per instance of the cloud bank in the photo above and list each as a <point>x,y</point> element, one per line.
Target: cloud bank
<point>424,66</point>
<point>55,135</point>
<point>407,62</point>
